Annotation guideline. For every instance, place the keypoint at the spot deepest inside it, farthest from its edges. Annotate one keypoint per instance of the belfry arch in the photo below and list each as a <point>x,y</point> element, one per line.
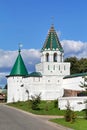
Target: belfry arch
<point>47,57</point>
<point>55,57</point>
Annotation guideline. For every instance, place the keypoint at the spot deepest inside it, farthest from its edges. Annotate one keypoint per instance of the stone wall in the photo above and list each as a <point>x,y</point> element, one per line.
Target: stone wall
<point>76,103</point>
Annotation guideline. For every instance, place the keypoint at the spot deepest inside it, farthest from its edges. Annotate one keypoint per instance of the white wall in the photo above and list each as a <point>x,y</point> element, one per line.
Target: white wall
<point>49,87</point>
<point>54,68</point>
<point>73,83</point>
<point>76,103</point>
<point>14,90</point>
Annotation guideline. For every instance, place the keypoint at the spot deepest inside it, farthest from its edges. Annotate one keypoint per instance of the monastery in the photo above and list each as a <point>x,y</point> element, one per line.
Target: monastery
<point>51,79</point>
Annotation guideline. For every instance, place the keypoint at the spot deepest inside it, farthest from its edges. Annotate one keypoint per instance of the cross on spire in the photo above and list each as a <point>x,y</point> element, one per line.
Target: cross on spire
<point>20,45</point>
<point>52,20</point>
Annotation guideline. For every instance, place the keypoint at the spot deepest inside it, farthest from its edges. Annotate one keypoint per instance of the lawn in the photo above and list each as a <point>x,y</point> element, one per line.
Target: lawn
<point>45,108</point>
<point>79,124</point>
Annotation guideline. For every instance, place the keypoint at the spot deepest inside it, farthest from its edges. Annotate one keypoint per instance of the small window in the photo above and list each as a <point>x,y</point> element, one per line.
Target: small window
<point>59,67</point>
<point>39,79</point>
<point>48,80</point>
<point>54,67</point>
<point>47,57</point>
<point>64,67</point>
<point>55,57</point>
<point>48,67</point>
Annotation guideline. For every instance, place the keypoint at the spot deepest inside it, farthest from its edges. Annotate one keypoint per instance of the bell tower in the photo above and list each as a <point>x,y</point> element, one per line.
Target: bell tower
<point>52,50</point>
<point>52,55</point>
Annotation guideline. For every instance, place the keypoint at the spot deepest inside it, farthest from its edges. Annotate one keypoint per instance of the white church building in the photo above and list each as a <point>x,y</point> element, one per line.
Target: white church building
<point>51,78</point>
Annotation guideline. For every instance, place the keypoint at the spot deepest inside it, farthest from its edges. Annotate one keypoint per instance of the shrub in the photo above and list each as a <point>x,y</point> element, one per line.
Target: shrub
<point>46,106</point>
<point>56,103</point>
<point>70,115</point>
<point>35,102</point>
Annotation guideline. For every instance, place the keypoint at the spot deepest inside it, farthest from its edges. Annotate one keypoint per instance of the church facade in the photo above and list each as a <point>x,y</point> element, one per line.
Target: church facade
<point>51,78</point>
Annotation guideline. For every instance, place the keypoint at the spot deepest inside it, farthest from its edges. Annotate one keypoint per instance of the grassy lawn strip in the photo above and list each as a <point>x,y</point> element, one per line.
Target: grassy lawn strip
<point>79,124</point>
<point>45,108</point>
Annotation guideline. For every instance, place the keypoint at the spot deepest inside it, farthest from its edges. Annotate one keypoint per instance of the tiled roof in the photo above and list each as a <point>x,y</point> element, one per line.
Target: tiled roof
<point>75,75</point>
<point>19,68</point>
<point>35,74</point>
<point>52,42</point>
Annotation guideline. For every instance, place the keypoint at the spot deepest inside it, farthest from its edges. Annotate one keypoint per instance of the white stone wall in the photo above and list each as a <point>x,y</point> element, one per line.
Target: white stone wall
<point>76,103</point>
<point>73,83</point>
<point>54,68</point>
<point>15,89</point>
<point>50,88</point>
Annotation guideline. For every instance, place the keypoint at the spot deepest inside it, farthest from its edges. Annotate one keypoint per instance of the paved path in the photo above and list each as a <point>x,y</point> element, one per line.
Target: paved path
<point>14,119</point>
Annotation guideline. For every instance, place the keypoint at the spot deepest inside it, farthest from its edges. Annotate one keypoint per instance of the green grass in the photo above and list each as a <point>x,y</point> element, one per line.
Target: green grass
<point>46,108</point>
<point>79,124</point>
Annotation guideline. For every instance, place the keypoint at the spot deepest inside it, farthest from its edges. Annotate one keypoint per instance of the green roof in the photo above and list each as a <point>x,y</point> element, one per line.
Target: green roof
<point>35,74</point>
<point>52,42</point>
<point>19,68</point>
<point>75,75</point>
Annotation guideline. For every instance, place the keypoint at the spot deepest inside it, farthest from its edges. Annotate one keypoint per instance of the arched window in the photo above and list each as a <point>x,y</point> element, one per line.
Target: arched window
<point>55,57</point>
<point>47,57</point>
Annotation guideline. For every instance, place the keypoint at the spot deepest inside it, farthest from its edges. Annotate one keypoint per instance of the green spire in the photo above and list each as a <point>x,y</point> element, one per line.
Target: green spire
<point>52,42</point>
<point>19,68</point>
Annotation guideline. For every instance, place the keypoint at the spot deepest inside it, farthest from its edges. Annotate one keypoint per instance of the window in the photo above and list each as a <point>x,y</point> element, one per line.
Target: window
<point>59,67</point>
<point>48,67</point>
<point>54,67</point>
<point>55,57</point>
<point>47,57</point>
<point>48,80</point>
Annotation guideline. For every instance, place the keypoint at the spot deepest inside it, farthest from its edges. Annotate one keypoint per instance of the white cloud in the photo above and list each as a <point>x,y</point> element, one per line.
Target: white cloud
<point>74,48</point>
<point>3,79</point>
<point>7,58</point>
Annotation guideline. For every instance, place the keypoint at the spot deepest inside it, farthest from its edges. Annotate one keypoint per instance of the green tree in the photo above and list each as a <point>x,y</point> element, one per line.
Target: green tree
<point>74,64</point>
<point>35,102</point>
<point>70,115</point>
<point>77,65</point>
<point>83,65</point>
<point>84,83</point>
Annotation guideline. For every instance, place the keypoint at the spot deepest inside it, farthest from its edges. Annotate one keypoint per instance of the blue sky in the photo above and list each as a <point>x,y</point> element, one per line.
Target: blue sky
<point>28,21</point>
